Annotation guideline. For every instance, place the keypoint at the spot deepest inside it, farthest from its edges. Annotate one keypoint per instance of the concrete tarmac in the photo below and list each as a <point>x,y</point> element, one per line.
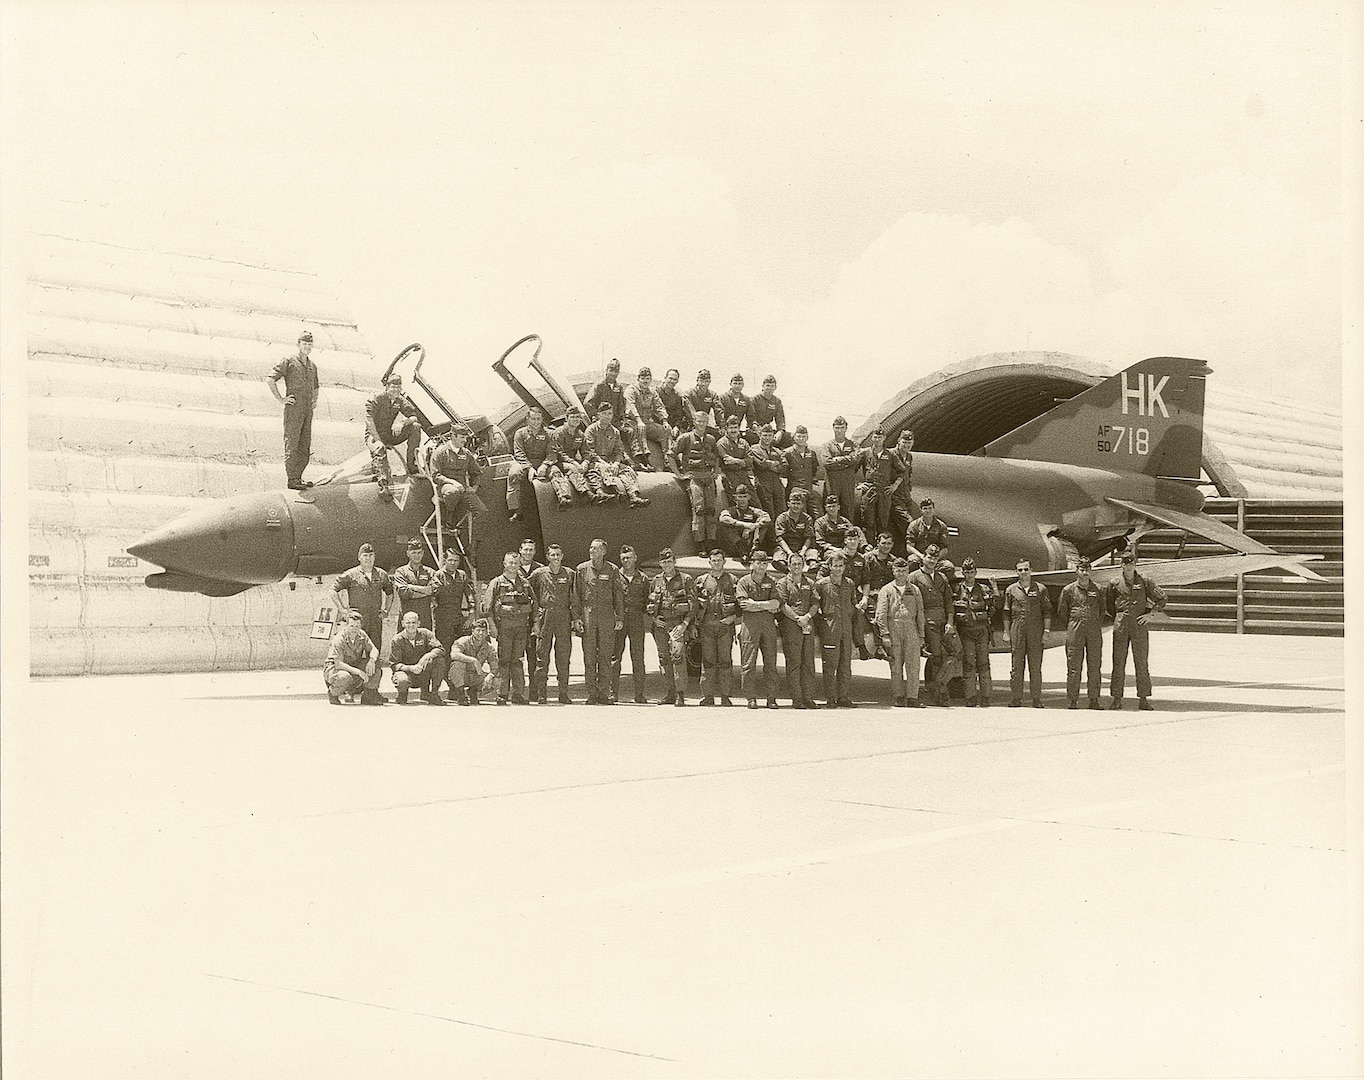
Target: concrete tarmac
<point>222,876</point>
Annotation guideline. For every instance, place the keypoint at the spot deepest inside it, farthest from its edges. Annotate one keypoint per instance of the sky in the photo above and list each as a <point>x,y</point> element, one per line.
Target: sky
<point>848,195</point>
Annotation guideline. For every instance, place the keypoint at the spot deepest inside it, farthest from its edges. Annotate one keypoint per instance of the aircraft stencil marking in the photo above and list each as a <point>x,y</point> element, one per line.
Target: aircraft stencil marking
<point>1146,394</point>
<point>1138,439</point>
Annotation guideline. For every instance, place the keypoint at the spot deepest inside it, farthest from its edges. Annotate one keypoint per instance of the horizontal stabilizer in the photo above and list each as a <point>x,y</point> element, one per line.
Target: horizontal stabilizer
<point>1219,533</point>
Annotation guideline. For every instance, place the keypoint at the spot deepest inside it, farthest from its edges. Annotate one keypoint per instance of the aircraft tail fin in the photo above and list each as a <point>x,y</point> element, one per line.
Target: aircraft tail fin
<point>1146,419</point>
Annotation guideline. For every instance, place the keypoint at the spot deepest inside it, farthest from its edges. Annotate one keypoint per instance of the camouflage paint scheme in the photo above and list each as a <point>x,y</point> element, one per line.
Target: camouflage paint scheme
<point>1088,477</point>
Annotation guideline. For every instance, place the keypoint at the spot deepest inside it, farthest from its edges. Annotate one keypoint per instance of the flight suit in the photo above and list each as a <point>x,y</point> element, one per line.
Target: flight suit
<point>565,457</point>
<point>836,638</point>
<point>300,381</point>
<point>840,464</point>
<point>697,459</point>
<point>740,542</point>
<point>556,605</point>
<point>902,508</point>
<point>717,611</point>
<point>366,595</point>
<point>620,417</point>
<point>795,535</point>
<point>975,608</point>
<point>391,425</point>
<point>351,646</point>
<point>757,633</point>
<point>864,600</point>
<point>647,409</point>
<point>467,664</point>
<point>529,451</point>
<point>672,603</point>
<point>882,470</point>
<point>511,607</point>
<point>1127,602</point>
<point>706,401</point>
<point>676,407</point>
<point>405,579</point>
<point>455,475</point>
<point>920,534</point>
<point>426,654</point>
<point>802,466</point>
<point>900,618</point>
<point>533,637</point>
<point>453,608</point>
<point>1027,609</point>
<point>605,449</point>
<point>764,410</point>
<point>798,643</point>
<point>939,613</point>
<point>877,573</point>
<point>830,533</point>
<point>1081,608</point>
<point>634,593</point>
<point>602,605</point>
<point>768,466</point>
<point>740,405</point>
<point>736,463</point>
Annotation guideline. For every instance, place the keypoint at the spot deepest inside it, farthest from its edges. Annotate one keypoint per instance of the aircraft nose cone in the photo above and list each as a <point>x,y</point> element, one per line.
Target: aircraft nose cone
<point>249,539</point>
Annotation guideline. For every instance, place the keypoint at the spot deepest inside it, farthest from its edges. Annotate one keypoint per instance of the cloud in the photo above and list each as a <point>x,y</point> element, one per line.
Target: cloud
<point>1226,267</point>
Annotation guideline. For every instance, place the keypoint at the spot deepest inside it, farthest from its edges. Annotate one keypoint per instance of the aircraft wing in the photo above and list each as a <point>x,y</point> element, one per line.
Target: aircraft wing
<point>1218,533</point>
<point>1189,571</point>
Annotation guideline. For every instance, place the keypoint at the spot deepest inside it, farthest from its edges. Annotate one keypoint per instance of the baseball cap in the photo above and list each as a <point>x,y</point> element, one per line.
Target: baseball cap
<point>759,556</point>
<point>414,544</point>
<point>801,429</point>
<point>742,489</point>
<point>604,406</point>
<point>1083,564</point>
<point>307,335</point>
<point>879,431</point>
<point>968,563</point>
<point>665,553</point>
<point>771,380</point>
<point>1129,556</point>
<point>644,371</point>
<point>704,373</point>
<point>925,503</point>
<point>898,563</point>
<point>613,364</point>
<point>840,422</point>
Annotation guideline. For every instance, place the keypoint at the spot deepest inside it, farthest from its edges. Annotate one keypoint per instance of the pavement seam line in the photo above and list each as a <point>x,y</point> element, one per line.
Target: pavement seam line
<point>433,1016</point>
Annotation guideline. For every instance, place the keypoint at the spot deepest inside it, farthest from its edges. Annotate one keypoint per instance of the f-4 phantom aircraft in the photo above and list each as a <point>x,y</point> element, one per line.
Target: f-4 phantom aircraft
<point>1089,477</point>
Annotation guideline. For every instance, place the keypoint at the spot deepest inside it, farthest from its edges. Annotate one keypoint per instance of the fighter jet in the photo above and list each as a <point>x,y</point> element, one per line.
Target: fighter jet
<point>1089,477</point>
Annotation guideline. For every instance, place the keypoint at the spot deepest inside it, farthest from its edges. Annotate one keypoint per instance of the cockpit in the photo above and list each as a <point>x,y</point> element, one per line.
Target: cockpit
<point>520,367</point>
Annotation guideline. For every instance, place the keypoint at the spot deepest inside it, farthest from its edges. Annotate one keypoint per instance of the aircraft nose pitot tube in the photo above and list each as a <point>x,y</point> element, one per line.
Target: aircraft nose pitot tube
<point>248,540</point>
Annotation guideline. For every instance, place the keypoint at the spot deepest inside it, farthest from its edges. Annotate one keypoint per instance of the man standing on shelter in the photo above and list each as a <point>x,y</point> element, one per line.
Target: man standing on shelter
<point>299,399</point>
<point>697,457</point>
<point>1131,599</point>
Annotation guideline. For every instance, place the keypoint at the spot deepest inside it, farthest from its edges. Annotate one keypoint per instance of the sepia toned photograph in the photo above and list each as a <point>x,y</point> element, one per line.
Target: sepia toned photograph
<point>602,539</point>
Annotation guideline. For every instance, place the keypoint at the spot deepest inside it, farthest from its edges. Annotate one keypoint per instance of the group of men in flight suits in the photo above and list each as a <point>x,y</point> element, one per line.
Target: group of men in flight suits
<point>810,577</point>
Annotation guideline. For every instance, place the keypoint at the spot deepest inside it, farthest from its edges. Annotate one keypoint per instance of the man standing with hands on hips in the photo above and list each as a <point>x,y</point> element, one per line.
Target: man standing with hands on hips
<point>1132,599</point>
<point>299,400</point>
